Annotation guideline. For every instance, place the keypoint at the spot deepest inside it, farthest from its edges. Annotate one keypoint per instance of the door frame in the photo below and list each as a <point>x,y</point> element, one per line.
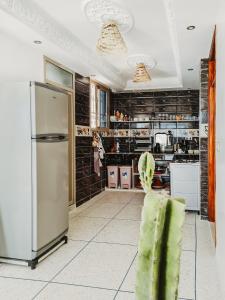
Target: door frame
<point>212,131</point>
<point>71,110</point>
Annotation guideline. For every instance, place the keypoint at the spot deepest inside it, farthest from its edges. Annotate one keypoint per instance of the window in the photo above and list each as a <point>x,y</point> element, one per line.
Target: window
<point>58,75</point>
<point>99,106</point>
<point>93,107</point>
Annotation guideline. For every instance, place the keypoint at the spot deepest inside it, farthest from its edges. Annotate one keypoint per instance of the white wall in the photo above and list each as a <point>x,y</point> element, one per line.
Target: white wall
<point>220,154</point>
<point>19,61</point>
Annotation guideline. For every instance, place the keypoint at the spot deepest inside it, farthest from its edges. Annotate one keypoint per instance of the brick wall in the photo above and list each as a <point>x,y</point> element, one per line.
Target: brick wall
<point>88,184</point>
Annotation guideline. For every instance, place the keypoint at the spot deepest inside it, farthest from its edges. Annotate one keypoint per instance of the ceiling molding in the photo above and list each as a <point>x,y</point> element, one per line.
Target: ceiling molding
<point>147,60</point>
<point>174,39</point>
<point>37,19</point>
<point>154,84</point>
<point>101,11</point>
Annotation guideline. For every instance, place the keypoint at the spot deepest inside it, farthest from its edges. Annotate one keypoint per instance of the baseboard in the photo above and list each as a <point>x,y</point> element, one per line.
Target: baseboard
<point>213,231</point>
<point>73,210</point>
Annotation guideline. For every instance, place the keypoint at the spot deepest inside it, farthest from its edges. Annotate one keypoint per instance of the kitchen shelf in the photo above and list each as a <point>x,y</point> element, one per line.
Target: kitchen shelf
<point>156,121</point>
<point>120,153</point>
<point>162,153</point>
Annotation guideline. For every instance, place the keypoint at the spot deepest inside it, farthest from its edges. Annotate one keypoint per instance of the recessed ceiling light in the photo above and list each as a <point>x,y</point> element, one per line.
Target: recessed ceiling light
<point>191,27</point>
<point>190,69</point>
<point>37,42</point>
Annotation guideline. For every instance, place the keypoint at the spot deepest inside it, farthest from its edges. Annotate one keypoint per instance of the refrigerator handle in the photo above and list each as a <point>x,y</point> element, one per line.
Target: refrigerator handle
<point>51,138</point>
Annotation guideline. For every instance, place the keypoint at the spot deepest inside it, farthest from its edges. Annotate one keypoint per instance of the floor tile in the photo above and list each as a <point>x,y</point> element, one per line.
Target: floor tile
<point>190,218</point>
<point>103,210</point>
<point>68,292</point>
<point>188,242</point>
<point>206,272</point>
<point>125,296</point>
<point>99,265</point>
<point>116,197</point>
<point>129,282</point>
<point>204,237</point>
<point>187,275</point>
<point>19,289</point>
<point>47,268</point>
<point>83,228</point>
<point>120,231</point>
<point>138,199</point>
<point>114,200</point>
<point>130,212</point>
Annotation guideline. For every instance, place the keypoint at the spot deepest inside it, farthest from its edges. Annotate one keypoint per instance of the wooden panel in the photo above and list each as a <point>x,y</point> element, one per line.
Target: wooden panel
<point>211,141</point>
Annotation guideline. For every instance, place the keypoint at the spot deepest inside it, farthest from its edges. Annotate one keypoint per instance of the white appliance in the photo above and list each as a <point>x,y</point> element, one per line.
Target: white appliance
<point>34,170</point>
<point>185,183</point>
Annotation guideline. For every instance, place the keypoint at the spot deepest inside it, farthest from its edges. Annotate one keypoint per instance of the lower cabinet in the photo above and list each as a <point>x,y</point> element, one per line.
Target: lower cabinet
<point>185,183</point>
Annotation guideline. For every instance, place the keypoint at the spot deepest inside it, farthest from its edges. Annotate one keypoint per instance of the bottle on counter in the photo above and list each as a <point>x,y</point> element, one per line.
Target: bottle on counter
<point>117,115</point>
<point>117,147</point>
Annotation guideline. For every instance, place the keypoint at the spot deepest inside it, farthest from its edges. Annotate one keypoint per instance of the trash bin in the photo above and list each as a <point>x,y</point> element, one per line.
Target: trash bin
<point>113,173</point>
<point>125,177</point>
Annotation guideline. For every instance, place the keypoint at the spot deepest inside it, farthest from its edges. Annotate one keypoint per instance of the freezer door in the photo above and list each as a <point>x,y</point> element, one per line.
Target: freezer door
<point>50,173</point>
<point>49,110</point>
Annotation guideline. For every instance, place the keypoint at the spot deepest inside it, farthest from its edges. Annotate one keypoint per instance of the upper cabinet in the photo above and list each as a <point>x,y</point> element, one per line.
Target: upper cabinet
<point>99,106</point>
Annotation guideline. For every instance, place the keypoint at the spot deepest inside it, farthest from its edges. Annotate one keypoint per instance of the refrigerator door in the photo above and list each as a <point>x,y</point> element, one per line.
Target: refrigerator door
<point>50,174</point>
<point>49,110</point>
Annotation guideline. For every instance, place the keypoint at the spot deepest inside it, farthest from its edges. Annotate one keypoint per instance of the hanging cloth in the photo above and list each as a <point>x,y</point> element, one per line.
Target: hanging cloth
<point>99,152</point>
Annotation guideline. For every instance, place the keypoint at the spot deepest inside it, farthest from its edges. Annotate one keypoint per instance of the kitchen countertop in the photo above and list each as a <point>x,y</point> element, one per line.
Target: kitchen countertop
<point>185,163</point>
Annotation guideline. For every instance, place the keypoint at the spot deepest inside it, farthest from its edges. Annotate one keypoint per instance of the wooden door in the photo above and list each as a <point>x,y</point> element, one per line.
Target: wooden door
<point>211,141</point>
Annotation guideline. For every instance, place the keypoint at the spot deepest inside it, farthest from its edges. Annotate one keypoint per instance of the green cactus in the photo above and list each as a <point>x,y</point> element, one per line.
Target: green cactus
<point>150,246</point>
<point>146,168</point>
<point>159,247</point>
<point>172,248</point>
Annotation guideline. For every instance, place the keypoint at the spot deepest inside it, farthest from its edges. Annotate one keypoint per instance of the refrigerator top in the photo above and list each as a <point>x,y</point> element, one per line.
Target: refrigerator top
<point>48,86</point>
<point>49,110</point>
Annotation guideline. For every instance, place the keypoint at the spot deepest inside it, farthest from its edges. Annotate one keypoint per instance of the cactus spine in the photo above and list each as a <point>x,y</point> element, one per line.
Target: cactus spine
<point>159,247</point>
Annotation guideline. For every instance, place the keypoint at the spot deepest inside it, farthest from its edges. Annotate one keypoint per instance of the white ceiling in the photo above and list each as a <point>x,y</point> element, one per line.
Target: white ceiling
<point>159,31</point>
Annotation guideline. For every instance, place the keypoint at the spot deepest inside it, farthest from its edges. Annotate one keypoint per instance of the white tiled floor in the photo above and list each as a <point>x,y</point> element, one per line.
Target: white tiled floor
<point>98,263</point>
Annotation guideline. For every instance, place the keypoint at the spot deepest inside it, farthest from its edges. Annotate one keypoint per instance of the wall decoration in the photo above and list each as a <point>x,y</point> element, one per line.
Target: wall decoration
<point>106,133</point>
<point>204,130</point>
<point>82,130</point>
<point>140,133</point>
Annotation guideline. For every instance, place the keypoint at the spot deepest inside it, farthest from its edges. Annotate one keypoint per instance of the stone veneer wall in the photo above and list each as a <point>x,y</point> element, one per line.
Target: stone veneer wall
<point>204,139</point>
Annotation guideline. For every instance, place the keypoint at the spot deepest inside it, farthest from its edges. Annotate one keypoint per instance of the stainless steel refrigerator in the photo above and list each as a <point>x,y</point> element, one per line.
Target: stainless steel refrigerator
<point>34,170</point>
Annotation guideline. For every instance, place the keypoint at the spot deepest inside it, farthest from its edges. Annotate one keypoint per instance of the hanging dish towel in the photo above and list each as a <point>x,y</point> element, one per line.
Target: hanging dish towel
<point>97,161</point>
<point>101,149</point>
<point>98,153</point>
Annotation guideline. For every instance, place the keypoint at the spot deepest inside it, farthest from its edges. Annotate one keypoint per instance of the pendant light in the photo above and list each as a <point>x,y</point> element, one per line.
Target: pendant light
<point>141,74</point>
<point>113,20</point>
<point>111,40</point>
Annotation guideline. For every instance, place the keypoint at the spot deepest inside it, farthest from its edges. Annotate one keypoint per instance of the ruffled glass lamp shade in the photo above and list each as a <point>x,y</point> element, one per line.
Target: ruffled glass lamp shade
<point>141,74</point>
<point>111,40</point>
